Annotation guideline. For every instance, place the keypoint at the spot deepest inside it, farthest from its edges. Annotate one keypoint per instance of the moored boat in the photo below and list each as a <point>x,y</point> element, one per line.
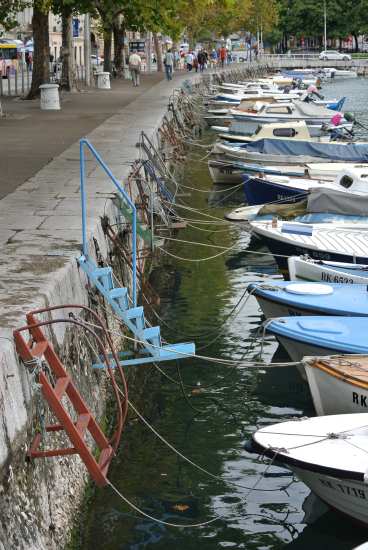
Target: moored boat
<point>338,384</point>
<point>307,269</point>
<point>320,335</point>
<point>349,183</point>
<point>282,298</point>
<point>332,242</point>
<point>328,453</point>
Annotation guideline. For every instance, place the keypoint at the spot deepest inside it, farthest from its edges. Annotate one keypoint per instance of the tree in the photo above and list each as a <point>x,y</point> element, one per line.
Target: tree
<point>8,12</point>
<point>40,28</point>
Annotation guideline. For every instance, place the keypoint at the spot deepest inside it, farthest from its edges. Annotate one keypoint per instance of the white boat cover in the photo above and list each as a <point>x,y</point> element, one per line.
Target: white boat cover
<point>322,199</point>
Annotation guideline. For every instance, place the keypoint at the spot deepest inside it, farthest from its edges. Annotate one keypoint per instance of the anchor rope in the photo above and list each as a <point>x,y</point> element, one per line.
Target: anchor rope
<point>157,520</point>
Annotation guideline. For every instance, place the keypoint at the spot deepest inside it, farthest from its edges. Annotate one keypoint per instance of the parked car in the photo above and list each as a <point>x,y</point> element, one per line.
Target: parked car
<point>333,54</point>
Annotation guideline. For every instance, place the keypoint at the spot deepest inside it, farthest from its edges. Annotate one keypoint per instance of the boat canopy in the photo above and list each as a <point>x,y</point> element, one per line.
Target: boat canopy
<point>352,152</point>
<point>338,202</point>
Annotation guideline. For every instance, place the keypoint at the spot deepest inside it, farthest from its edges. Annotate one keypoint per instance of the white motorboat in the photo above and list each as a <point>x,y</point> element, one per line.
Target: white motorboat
<point>332,72</point>
<point>298,110</point>
<point>306,269</point>
<point>338,384</point>
<point>336,242</point>
<point>278,130</point>
<point>327,453</point>
<point>225,171</point>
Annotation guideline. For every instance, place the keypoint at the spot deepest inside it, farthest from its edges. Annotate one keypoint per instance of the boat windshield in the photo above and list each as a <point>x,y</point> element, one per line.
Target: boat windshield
<point>284,132</point>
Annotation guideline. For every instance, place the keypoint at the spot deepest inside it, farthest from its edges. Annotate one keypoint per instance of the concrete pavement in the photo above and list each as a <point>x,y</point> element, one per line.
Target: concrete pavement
<point>31,138</point>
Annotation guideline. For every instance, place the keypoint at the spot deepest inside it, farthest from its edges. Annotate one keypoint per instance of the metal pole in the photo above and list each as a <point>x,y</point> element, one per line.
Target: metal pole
<point>87,49</point>
<point>325,15</point>
<point>84,142</point>
<point>152,221</point>
<point>149,51</point>
<point>83,197</point>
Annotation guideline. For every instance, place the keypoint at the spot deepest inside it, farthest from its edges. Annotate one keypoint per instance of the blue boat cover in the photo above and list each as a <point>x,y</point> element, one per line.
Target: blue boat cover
<point>338,334</point>
<point>347,299</point>
<point>353,152</point>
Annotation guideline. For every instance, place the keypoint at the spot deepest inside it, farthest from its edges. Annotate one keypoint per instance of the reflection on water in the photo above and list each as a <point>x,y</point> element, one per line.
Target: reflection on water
<point>220,408</point>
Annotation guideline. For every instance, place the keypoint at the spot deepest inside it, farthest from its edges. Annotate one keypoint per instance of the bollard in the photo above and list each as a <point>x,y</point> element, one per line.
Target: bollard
<point>103,81</point>
<point>50,97</point>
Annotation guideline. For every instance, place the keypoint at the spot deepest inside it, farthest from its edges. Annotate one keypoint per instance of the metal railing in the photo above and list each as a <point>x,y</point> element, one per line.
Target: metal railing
<point>18,82</point>
<point>85,144</point>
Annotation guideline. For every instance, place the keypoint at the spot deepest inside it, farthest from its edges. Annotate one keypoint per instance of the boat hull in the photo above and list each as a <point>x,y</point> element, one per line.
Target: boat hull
<point>273,308</point>
<point>309,271</point>
<point>262,191</point>
<point>333,395</point>
<point>225,175</point>
<point>280,249</point>
<point>347,496</point>
<point>297,349</point>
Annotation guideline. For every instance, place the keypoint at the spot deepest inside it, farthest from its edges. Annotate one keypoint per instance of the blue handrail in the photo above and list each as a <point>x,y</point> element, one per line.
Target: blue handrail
<point>85,143</point>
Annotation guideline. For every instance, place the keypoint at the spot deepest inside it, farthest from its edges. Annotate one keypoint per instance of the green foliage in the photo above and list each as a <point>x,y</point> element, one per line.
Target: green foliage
<point>305,17</point>
<point>8,11</point>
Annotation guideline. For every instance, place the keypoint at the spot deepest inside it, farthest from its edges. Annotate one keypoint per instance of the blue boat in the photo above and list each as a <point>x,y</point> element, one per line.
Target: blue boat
<point>320,336</point>
<point>282,298</point>
<point>336,105</point>
<point>262,191</point>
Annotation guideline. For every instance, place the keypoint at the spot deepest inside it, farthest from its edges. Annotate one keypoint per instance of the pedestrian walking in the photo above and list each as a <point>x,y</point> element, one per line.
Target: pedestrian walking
<point>169,64</point>
<point>135,64</point>
<point>201,60</point>
<point>223,56</point>
<point>189,58</point>
<point>213,58</point>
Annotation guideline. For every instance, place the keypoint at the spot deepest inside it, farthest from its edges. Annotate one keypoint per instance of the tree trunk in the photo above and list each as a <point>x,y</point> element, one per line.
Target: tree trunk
<point>41,67</point>
<point>107,49</point>
<point>67,54</point>
<point>158,49</point>
<point>356,49</point>
<point>119,34</point>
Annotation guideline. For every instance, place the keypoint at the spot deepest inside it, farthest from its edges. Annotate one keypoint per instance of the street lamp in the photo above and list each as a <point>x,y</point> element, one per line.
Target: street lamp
<point>325,16</point>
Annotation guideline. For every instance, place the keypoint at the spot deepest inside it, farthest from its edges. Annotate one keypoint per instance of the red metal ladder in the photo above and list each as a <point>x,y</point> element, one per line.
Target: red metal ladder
<point>40,348</point>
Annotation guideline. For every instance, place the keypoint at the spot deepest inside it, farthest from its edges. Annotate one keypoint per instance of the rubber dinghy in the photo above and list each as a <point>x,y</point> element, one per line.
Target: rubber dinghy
<point>338,384</point>
<point>303,268</point>
<point>282,298</point>
<point>320,335</point>
<point>327,453</point>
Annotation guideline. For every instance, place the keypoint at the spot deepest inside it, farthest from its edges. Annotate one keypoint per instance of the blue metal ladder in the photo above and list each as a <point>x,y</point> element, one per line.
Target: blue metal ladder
<point>148,337</point>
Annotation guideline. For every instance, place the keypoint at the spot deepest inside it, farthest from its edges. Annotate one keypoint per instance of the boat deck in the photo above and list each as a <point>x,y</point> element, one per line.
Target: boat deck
<point>343,240</point>
<point>352,368</point>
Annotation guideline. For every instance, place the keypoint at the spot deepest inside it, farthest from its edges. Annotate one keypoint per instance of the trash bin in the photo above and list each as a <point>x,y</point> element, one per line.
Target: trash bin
<point>103,81</point>
<point>50,97</point>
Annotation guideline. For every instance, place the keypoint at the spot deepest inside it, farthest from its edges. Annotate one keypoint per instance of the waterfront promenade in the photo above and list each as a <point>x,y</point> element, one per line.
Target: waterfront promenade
<point>40,239</point>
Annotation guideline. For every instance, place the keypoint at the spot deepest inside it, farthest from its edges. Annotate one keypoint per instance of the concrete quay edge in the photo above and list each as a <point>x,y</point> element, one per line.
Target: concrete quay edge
<point>40,238</point>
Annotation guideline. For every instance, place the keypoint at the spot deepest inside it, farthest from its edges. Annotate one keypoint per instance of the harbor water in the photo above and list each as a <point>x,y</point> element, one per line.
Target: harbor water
<point>209,409</point>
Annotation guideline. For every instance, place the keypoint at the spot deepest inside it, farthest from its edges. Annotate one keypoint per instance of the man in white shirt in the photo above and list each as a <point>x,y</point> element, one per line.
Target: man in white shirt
<point>135,63</point>
<point>169,64</point>
<point>189,60</point>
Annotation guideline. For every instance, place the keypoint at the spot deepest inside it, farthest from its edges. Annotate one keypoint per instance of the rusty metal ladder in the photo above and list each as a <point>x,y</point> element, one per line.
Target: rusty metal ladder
<point>40,350</point>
